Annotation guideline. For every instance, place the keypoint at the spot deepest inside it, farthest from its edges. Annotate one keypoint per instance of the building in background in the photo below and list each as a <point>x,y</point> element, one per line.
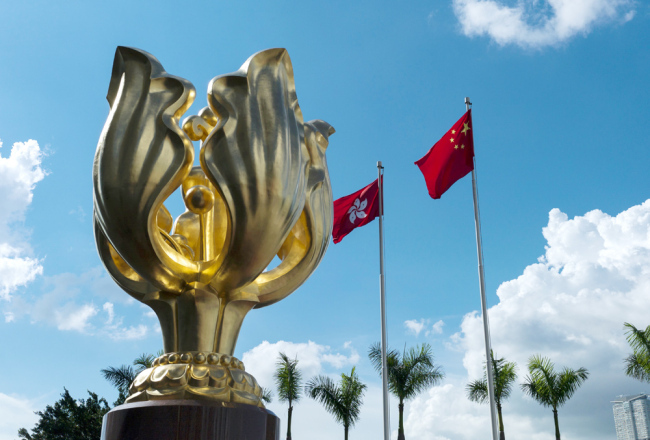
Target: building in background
<point>632,417</point>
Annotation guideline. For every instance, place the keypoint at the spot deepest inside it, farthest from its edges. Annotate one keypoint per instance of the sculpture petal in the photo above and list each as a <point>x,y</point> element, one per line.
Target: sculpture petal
<point>303,250</point>
<point>256,158</point>
<point>142,157</point>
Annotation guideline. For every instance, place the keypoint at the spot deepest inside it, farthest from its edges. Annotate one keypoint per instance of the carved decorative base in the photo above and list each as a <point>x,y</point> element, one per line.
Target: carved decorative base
<point>189,420</point>
<point>196,376</point>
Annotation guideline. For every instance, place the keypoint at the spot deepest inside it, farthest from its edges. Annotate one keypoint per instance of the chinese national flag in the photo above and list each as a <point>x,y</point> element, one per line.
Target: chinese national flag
<point>357,209</point>
<point>450,159</point>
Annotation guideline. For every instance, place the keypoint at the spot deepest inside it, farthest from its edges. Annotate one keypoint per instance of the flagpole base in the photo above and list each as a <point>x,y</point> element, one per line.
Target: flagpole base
<point>189,420</point>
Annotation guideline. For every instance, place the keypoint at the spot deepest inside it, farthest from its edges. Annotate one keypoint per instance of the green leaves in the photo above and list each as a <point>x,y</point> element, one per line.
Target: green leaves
<point>409,373</point>
<point>343,401</point>
<point>69,419</point>
<point>288,379</point>
<point>548,387</point>
<point>504,377</point>
<point>637,365</point>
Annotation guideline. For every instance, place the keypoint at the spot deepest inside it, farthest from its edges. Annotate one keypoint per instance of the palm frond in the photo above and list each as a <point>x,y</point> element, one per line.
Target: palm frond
<point>267,395</point>
<point>342,401</point>
<point>477,391</point>
<point>638,367</point>
<point>324,390</point>
<point>143,362</point>
<point>548,387</point>
<point>568,383</point>
<point>120,377</point>
<point>409,373</point>
<point>288,379</point>
<point>352,391</point>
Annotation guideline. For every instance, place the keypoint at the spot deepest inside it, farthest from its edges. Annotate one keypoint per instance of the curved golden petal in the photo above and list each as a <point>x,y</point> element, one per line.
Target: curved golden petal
<point>256,158</point>
<point>303,250</point>
<point>118,269</point>
<point>141,158</point>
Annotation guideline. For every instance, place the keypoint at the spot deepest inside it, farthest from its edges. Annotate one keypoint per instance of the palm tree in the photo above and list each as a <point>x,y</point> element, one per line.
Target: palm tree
<point>287,379</point>
<point>408,374</point>
<point>343,401</point>
<point>267,395</point>
<point>122,376</point>
<point>637,365</point>
<point>549,388</point>
<point>504,377</point>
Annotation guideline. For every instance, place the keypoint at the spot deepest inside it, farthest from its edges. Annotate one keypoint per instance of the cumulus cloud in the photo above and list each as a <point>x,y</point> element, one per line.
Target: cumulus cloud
<point>415,327</point>
<point>535,23</point>
<point>436,328</point>
<point>312,359</point>
<point>310,420</point>
<point>19,174</point>
<point>68,304</point>
<point>570,306</point>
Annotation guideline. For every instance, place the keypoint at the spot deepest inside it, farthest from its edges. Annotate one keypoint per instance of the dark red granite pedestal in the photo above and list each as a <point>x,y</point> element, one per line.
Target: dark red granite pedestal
<point>189,420</point>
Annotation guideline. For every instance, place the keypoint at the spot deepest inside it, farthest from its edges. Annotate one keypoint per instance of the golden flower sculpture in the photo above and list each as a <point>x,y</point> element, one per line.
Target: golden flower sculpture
<point>262,190</point>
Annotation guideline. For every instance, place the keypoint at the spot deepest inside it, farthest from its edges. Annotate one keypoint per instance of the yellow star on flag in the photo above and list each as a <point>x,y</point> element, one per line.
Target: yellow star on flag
<point>456,147</point>
<point>462,146</point>
<point>465,128</point>
<point>451,140</point>
<point>453,131</point>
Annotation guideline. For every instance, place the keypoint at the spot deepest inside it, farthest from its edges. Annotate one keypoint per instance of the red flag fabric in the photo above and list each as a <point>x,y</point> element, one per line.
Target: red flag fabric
<point>450,159</point>
<point>357,209</point>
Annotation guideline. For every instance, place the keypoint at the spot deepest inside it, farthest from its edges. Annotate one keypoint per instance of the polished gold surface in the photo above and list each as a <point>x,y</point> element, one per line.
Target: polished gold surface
<point>262,189</point>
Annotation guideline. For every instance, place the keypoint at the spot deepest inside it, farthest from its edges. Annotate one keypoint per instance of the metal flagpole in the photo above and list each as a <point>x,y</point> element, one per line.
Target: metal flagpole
<point>481,277</point>
<point>382,296</point>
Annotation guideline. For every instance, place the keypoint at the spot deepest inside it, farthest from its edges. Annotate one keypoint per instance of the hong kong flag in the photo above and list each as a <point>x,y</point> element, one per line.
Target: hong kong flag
<point>357,209</point>
<point>450,159</point>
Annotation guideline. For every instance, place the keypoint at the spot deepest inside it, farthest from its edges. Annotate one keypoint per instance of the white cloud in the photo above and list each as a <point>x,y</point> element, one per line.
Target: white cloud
<point>415,327</point>
<point>310,420</point>
<point>68,304</point>
<point>569,306</point>
<point>312,357</point>
<point>17,412</point>
<point>535,23</point>
<point>436,328</point>
<point>19,174</point>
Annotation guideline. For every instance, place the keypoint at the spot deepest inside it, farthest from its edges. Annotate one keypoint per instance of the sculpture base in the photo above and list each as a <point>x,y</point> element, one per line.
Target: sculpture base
<point>189,420</point>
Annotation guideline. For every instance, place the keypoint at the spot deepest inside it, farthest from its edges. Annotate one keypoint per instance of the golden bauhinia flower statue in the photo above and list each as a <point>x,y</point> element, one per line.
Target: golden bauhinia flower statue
<point>262,189</point>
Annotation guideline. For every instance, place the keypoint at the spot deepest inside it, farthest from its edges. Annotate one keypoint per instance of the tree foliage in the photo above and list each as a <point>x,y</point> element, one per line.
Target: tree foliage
<point>637,365</point>
<point>288,379</point>
<point>69,419</point>
<point>342,400</point>
<point>504,377</point>
<point>408,374</point>
<point>552,389</point>
<point>122,376</point>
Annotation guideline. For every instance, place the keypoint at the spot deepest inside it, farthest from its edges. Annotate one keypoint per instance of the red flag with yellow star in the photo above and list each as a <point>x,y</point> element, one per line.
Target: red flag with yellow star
<point>450,159</point>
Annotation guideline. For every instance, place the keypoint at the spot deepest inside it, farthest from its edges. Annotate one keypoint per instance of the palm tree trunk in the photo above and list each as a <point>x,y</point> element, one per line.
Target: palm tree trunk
<point>400,431</point>
<point>502,434</point>
<point>557,425</point>
<point>289,423</point>
<point>345,428</point>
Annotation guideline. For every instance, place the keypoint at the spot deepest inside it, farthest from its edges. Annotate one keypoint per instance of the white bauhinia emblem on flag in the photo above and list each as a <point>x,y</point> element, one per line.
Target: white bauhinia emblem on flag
<point>356,210</point>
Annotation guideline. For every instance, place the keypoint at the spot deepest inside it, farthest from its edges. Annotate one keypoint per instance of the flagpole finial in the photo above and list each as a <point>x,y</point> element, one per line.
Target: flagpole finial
<point>467,102</point>
<point>379,165</point>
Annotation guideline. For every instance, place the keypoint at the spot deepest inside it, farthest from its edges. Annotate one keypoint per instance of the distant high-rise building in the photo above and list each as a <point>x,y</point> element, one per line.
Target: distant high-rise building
<point>632,417</point>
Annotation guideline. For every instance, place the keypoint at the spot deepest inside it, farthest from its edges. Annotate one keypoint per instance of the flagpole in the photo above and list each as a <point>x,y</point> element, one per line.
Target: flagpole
<point>382,297</point>
<point>481,277</point>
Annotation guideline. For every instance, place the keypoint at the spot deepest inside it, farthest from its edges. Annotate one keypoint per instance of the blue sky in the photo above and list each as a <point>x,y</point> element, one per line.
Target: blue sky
<point>560,128</point>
